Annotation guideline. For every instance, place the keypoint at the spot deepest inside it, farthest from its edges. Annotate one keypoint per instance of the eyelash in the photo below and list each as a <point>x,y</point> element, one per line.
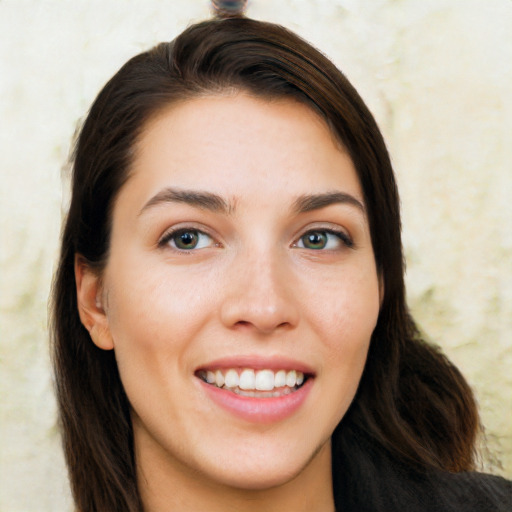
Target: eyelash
<point>340,235</point>
<point>173,234</point>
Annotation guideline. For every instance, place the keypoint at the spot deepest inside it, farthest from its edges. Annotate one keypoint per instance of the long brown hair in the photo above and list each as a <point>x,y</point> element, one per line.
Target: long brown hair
<point>412,403</point>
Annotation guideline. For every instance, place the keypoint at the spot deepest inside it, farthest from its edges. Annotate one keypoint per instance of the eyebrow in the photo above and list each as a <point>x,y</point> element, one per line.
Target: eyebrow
<point>310,202</point>
<point>215,203</point>
<point>202,200</point>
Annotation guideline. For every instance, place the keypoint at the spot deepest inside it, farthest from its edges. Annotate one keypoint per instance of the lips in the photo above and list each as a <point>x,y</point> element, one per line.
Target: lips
<point>260,391</point>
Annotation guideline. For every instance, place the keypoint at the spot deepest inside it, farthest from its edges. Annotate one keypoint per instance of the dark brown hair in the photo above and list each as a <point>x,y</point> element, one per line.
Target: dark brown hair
<point>412,404</point>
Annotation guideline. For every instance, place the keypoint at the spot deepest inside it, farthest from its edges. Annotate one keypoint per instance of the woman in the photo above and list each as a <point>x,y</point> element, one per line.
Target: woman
<point>229,316</point>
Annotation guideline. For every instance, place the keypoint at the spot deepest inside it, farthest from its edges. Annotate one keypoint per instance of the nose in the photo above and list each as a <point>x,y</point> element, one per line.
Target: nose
<point>260,296</point>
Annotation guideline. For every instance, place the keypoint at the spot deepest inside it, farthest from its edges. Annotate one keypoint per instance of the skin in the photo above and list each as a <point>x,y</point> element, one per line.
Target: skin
<point>252,287</point>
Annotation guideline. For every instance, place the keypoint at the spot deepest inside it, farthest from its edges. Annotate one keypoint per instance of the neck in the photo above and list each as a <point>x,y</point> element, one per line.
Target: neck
<point>166,486</point>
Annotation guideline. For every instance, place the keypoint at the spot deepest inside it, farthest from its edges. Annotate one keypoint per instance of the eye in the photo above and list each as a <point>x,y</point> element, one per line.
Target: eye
<point>324,239</point>
<point>187,239</point>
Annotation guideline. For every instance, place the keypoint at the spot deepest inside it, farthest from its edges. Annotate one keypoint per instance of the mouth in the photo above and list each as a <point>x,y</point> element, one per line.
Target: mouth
<point>255,383</point>
<point>257,390</point>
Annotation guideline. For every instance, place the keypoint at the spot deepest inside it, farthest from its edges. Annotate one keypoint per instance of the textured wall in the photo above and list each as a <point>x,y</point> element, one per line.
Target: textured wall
<point>437,75</point>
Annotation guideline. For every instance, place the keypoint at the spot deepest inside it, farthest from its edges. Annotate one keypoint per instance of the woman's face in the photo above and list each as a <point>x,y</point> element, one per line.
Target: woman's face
<point>241,290</point>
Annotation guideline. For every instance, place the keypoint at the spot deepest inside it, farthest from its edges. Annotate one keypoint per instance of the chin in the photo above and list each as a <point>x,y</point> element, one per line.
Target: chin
<point>261,479</point>
<point>271,470</point>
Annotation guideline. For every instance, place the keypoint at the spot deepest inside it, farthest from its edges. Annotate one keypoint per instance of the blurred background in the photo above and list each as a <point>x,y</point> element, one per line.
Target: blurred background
<point>437,75</point>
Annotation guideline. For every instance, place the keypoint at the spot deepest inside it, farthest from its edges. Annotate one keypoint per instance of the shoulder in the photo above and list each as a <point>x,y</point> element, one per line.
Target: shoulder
<point>435,491</point>
<point>368,480</point>
<point>438,491</point>
<point>472,491</point>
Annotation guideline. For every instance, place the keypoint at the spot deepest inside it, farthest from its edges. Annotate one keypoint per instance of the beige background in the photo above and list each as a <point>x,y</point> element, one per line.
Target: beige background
<point>436,73</point>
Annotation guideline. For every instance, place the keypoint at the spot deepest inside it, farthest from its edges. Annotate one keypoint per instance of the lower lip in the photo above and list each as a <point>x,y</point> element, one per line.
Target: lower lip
<point>259,410</point>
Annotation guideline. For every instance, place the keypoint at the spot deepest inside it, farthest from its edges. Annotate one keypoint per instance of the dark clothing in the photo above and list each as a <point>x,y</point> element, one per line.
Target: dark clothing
<point>367,480</point>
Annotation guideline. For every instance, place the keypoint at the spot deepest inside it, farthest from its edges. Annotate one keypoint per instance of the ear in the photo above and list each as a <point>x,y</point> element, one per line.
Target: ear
<point>90,306</point>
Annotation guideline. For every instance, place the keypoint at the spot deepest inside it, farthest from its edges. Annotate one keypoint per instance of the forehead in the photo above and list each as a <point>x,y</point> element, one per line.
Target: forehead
<point>233,144</point>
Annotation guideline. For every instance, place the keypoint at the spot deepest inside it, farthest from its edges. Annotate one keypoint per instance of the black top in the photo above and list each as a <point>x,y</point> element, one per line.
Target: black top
<point>365,479</point>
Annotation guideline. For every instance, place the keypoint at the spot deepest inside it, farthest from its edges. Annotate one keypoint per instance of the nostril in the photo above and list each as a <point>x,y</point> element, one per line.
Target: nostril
<point>261,326</point>
<point>242,325</point>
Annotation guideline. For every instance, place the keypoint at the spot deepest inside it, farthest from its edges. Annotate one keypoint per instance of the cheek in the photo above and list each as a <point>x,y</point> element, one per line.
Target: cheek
<point>155,326</point>
<point>346,314</point>
<point>347,309</point>
<point>154,312</point>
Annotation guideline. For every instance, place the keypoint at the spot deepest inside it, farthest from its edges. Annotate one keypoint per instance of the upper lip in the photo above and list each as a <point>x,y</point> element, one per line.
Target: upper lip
<point>274,363</point>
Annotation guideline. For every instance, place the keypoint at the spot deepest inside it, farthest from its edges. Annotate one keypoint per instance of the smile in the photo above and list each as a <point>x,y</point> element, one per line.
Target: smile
<point>255,383</point>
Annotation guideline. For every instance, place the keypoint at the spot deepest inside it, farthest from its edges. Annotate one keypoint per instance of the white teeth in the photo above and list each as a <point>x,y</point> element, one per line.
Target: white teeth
<point>280,379</point>
<point>231,380</point>
<point>291,379</point>
<point>265,380</point>
<point>247,379</point>
<point>219,378</point>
